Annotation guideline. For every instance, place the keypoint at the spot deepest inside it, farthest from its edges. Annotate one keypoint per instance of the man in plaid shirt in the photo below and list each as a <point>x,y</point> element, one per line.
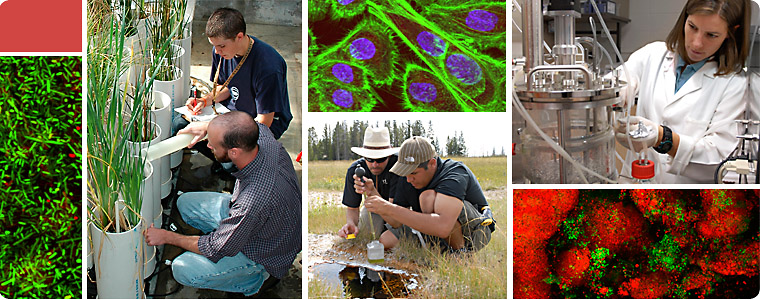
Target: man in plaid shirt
<point>251,236</point>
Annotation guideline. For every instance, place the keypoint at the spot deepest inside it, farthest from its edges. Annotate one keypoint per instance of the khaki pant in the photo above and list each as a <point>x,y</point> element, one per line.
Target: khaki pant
<point>377,222</point>
<point>476,236</point>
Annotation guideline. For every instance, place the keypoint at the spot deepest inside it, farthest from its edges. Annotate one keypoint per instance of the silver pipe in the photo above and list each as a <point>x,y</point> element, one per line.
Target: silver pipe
<point>564,36</point>
<point>582,69</point>
<point>597,57</point>
<point>533,32</point>
<point>563,124</point>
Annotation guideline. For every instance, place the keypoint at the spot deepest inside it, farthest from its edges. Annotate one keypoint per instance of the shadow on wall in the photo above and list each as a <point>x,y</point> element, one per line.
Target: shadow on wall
<point>271,12</point>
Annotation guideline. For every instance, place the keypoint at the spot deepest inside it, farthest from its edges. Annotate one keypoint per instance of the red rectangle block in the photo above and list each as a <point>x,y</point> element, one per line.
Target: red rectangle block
<point>41,26</point>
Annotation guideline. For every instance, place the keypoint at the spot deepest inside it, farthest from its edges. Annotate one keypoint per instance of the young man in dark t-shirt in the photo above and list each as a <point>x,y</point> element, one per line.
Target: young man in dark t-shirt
<point>377,158</point>
<point>445,200</point>
<point>260,86</point>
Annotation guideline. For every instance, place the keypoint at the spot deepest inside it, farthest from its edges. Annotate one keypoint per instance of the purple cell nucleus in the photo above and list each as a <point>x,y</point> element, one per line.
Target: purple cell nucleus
<point>345,2</point>
<point>343,98</point>
<point>423,91</point>
<point>431,43</point>
<point>464,68</point>
<point>343,72</point>
<point>362,49</point>
<point>481,20</point>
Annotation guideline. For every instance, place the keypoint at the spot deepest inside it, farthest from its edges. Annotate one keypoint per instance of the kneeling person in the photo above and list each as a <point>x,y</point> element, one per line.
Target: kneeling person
<point>251,236</point>
<point>377,157</point>
<point>445,200</point>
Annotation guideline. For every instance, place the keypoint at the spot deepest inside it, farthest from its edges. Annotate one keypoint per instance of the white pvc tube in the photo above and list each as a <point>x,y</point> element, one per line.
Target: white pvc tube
<point>166,186</point>
<point>176,159</point>
<point>148,210</point>
<point>142,28</point>
<point>158,219</point>
<point>173,88</point>
<point>157,168</point>
<point>162,114</point>
<point>184,62</point>
<point>170,145</point>
<point>118,259</point>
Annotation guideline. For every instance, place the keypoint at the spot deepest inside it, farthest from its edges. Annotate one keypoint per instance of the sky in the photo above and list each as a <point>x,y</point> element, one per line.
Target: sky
<point>482,131</point>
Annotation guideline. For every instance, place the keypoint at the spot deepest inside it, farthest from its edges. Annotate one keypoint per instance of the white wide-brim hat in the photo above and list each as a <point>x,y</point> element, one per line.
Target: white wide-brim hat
<point>377,144</point>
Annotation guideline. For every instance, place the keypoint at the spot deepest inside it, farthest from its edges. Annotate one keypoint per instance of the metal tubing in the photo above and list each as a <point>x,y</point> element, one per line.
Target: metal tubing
<point>563,125</point>
<point>564,39</point>
<point>580,68</point>
<point>533,32</point>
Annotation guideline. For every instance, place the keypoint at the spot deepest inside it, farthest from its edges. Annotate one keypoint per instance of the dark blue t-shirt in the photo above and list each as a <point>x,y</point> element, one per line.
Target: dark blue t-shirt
<point>262,77</point>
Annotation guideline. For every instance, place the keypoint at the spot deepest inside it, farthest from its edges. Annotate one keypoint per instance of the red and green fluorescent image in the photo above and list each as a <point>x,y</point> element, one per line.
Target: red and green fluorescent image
<point>636,244</point>
<point>40,171</point>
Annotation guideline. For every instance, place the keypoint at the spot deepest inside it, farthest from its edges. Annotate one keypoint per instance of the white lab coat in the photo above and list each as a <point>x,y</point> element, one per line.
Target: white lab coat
<point>702,112</point>
<point>754,100</point>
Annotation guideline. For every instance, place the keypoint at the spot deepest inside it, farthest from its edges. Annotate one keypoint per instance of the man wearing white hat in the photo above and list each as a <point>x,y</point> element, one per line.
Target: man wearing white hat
<point>377,157</point>
<point>445,198</point>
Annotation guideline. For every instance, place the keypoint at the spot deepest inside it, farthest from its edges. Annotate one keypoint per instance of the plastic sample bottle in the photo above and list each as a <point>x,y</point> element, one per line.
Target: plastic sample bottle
<point>375,252</point>
<point>642,171</point>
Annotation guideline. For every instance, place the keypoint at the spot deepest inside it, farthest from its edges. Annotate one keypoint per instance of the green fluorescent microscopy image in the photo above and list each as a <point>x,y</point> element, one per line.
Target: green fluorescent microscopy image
<point>413,55</point>
<point>41,175</point>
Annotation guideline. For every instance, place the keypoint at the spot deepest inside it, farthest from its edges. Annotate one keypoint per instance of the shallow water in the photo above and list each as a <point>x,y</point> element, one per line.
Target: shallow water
<point>365,281</point>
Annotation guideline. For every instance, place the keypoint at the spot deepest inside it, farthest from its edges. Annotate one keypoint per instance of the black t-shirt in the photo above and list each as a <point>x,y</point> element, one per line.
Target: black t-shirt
<point>263,78</point>
<point>452,178</point>
<point>385,183</point>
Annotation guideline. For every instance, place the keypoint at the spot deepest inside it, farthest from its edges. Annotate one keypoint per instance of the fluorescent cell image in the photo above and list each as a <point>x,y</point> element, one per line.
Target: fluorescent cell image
<point>41,175</point>
<point>464,68</point>
<point>423,91</point>
<point>342,98</point>
<point>481,20</point>
<point>431,43</point>
<point>343,72</point>
<point>637,243</point>
<point>408,55</point>
<point>362,49</point>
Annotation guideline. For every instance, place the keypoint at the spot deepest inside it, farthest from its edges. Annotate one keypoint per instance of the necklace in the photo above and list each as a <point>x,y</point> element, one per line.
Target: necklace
<point>216,76</point>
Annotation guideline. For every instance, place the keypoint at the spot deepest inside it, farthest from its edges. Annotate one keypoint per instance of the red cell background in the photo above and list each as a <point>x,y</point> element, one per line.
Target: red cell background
<point>41,26</point>
<point>661,243</point>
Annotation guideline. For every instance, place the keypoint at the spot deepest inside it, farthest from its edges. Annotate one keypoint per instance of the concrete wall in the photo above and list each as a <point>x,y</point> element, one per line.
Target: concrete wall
<point>270,12</point>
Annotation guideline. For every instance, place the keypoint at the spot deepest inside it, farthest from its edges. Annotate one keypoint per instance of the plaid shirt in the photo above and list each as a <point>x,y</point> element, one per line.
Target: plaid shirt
<point>265,212</point>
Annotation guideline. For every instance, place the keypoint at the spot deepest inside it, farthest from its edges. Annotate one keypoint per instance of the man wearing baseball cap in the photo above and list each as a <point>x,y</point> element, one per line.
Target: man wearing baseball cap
<point>377,158</point>
<point>445,200</point>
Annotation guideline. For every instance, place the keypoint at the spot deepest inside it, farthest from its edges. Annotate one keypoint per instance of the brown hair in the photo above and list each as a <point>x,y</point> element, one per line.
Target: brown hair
<point>240,130</point>
<point>732,54</point>
<point>225,22</point>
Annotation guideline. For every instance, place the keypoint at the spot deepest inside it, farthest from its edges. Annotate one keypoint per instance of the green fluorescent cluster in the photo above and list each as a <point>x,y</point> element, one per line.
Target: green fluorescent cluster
<point>667,255</point>
<point>40,167</point>
<point>407,55</point>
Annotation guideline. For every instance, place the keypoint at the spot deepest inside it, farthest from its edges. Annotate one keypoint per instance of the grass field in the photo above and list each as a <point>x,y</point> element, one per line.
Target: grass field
<point>479,275</point>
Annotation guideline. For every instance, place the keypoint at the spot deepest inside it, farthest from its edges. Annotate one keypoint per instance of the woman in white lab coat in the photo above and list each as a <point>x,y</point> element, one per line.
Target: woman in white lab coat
<point>691,89</point>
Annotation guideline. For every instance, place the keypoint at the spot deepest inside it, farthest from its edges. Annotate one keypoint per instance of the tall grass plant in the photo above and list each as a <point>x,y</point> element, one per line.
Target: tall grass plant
<point>117,114</point>
<point>482,274</point>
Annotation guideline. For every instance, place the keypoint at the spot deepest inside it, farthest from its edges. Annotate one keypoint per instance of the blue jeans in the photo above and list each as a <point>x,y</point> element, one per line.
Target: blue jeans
<point>239,274</point>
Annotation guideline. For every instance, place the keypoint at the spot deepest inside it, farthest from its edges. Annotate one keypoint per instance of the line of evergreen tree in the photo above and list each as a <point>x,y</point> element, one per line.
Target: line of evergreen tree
<point>335,142</point>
